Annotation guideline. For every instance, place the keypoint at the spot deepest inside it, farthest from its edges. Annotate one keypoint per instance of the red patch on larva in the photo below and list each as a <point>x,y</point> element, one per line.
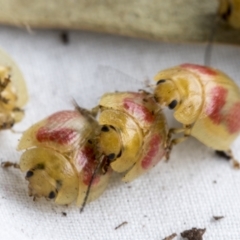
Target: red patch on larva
<point>199,68</point>
<point>138,111</point>
<point>63,116</point>
<point>88,156</point>
<point>152,152</point>
<point>60,136</point>
<point>218,100</point>
<point>233,118</point>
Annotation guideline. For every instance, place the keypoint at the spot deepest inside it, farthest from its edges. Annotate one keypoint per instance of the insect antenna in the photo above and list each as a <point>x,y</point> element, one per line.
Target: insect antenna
<point>90,183</point>
<point>88,114</point>
<point>209,47</point>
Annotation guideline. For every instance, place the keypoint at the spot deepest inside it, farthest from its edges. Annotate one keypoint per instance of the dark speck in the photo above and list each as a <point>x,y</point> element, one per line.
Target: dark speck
<point>51,195</point>
<point>216,218</point>
<point>105,129</point>
<point>161,81</point>
<point>223,154</point>
<point>120,225</point>
<point>64,214</point>
<point>171,237</point>
<point>64,37</point>
<point>111,156</point>
<point>228,13</point>
<point>173,104</point>
<point>29,174</point>
<point>193,234</point>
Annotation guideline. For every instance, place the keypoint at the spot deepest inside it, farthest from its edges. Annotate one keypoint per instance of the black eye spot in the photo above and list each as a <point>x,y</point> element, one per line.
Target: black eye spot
<point>161,81</point>
<point>90,141</point>
<point>105,129</point>
<point>111,156</point>
<point>173,104</point>
<point>29,174</point>
<point>51,195</point>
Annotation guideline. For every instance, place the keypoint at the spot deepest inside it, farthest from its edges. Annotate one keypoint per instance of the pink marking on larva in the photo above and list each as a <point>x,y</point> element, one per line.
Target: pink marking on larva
<point>233,119</point>
<point>218,100</point>
<point>137,110</point>
<point>61,136</point>
<point>199,68</point>
<point>154,148</point>
<point>88,156</point>
<point>63,116</point>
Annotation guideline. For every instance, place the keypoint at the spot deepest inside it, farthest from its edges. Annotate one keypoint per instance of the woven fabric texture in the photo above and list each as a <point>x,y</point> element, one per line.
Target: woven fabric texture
<point>186,192</point>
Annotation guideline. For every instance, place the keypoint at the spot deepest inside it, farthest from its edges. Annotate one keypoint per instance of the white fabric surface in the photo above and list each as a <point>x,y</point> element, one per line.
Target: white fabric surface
<point>173,197</point>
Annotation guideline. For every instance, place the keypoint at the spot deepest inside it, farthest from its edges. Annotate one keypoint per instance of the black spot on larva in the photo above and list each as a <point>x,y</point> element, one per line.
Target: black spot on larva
<point>119,154</point>
<point>40,166</point>
<point>90,141</point>
<point>51,195</point>
<point>29,174</point>
<point>105,129</point>
<point>161,81</point>
<point>112,127</point>
<point>145,100</point>
<point>228,13</point>
<point>111,156</point>
<point>173,104</point>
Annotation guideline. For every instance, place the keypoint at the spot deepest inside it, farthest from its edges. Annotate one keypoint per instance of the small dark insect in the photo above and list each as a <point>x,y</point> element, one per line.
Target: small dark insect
<point>120,225</point>
<point>64,214</point>
<point>172,236</point>
<point>64,37</point>
<point>217,217</point>
<point>193,234</point>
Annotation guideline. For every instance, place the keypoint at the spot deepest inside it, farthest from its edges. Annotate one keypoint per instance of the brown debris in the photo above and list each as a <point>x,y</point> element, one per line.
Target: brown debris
<point>217,217</point>
<point>64,214</point>
<point>120,225</point>
<point>172,236</point>
<point>64,36</point>
<point>193,234</point>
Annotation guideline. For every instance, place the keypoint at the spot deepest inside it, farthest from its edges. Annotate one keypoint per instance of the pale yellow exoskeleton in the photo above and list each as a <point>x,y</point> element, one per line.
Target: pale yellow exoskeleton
<point>205,100</point>
<point>134,132</point>
<point>60,158</point>
<point>70,155</point>
<point>13,92</point>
